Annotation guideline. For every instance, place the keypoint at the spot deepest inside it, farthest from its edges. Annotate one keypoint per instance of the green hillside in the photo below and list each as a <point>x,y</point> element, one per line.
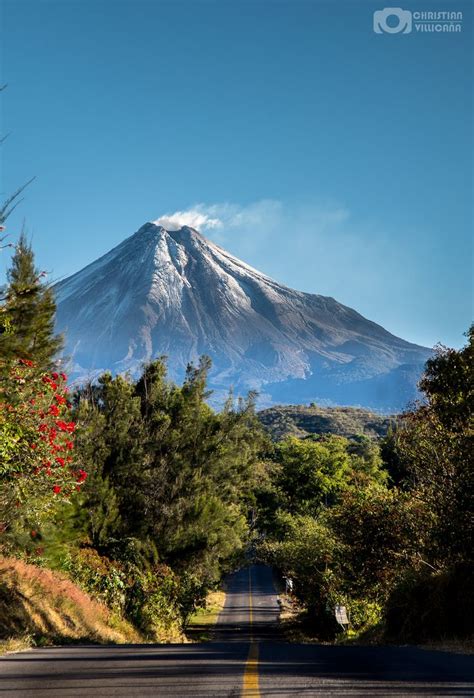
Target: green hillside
<point>301,420</point>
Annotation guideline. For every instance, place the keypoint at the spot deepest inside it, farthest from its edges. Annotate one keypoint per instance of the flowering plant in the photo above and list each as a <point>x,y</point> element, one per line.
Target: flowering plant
<point>36,441</point>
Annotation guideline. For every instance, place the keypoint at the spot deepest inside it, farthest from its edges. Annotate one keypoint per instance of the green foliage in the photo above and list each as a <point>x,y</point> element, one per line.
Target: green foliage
<point>306,551</point>
<point>366,459</point>
<point>351,553</point>
<point>448,383</point>
<point>435,444</point>
<point>153,603</point>
<point>382,532</point>
<point>98,576</point>
<point>393,544</point>
<point>312,472</point>
<point>36,463</point>
<point>37,466</point>
<point>28,313</point>
<point>171,475</point>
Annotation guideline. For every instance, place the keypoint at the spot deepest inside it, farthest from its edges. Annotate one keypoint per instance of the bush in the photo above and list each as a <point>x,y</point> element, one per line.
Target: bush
<point>37,463</point>
<point>98,576</point>
<point>155,599</point>
<point>432,606</point>
<point>153,604</point>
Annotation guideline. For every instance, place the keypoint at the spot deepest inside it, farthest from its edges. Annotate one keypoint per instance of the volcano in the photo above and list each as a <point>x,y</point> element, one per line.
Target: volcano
<point>175,293</point>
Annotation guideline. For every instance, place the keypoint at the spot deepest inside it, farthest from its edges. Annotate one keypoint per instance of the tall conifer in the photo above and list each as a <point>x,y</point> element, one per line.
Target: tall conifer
<point>27,329</point>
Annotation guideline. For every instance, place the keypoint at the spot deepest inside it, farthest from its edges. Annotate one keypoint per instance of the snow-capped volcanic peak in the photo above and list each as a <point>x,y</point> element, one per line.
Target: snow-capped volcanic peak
<point>173,292</point>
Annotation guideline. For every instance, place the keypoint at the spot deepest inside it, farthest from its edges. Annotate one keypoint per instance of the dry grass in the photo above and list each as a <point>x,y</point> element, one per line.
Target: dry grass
<point>204,619</point>
<point>15,644</point>
<point>46,607</point>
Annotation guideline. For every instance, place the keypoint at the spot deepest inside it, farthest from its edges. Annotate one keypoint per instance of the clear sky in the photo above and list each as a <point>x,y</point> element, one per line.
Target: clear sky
<point>333,158</point>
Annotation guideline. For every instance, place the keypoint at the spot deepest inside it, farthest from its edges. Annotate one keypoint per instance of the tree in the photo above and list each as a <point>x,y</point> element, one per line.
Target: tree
<point>307,550</point>
<point>383,532</point>
<point>366,459</point>
<point>177,474</point>
<point>37,464</point>
<point>448,383</point>
<point>312,472</point>
<point>435,444</point>
<point>28,313</point>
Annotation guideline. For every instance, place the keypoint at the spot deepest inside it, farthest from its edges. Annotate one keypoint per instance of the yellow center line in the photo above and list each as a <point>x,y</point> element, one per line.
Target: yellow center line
<point>251,683</point>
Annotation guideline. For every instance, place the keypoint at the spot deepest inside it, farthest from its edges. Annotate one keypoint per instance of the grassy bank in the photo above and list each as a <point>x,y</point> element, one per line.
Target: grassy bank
<point>42,607</point>
<point>203,620</point>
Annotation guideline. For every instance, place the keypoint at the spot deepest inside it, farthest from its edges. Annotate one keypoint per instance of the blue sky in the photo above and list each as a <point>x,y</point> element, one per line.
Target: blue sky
<point>335,159</point>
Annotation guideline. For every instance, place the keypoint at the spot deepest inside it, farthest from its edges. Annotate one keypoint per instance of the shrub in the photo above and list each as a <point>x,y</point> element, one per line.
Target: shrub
<point>431,606</point>
<point>36,443</point>
<point>98,576</point>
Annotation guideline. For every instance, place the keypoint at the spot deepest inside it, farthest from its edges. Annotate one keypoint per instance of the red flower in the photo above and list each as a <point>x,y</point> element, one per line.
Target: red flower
<point>33,534</point>
<point>56,489</point>
<point>60,399</point>
<point>69,445</point>
<point>81,476</point>
<point>54,409</point>
<point>33,446</point>
<point>47,381</point>
<point>55,376</point>
<point>26,362</point>
<point>61,462</point>
<point>63,376</point>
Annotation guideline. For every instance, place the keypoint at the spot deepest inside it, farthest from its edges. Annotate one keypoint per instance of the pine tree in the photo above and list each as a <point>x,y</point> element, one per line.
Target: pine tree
<point>27,329</point>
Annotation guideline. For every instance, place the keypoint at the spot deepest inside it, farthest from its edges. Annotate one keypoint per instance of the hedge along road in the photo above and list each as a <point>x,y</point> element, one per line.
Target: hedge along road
<point>247,658</point>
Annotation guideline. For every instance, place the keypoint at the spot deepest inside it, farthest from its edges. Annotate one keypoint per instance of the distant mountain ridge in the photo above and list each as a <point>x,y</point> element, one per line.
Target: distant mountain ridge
<point>305,420</point>
<point>176,293</point>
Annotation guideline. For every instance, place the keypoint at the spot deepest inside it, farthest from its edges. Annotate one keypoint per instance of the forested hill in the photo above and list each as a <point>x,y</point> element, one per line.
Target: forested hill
<point>301,420</point>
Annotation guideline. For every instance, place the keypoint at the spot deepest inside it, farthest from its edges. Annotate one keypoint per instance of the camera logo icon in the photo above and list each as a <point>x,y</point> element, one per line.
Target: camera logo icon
<point>392,20</point>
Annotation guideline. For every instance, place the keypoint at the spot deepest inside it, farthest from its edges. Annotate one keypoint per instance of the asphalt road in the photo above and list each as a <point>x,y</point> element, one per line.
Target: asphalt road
<point>247,658</point>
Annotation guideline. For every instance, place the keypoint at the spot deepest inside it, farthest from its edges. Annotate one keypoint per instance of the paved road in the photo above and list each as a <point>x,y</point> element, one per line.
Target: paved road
<point>246,659</point>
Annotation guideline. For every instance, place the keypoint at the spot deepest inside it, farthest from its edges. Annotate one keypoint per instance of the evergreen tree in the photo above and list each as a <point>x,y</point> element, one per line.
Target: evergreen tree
<point>27,329</point>
<point>175,472</point>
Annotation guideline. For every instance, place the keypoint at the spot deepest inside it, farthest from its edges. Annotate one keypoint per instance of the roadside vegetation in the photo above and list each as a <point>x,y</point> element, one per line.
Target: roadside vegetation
<point>40,606</point>
<point>384,529</point>
<point>123,503</point>
<point>135,489</point>
<point>202,622</point>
